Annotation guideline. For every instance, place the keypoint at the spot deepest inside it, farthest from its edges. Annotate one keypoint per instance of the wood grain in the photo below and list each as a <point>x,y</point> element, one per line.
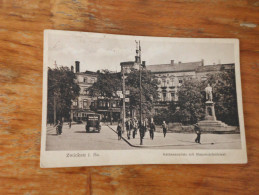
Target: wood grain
<point>21,52</point>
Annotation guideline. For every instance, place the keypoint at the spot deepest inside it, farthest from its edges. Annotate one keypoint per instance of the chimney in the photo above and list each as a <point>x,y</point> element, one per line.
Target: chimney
<point>137,59</point>
<point>72,68</point>
<point>172,62</point>
<point>77,66</point>
<point>143,64</point>
<point>55,64</point>
<point>202,62</point>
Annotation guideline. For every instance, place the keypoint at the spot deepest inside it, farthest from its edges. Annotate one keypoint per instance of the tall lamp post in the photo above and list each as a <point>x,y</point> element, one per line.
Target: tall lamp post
<point>123,100</point>
<point>141,66</point>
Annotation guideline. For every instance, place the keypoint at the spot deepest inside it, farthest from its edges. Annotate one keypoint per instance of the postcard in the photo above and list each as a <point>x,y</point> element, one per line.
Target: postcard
<point>121,100</point>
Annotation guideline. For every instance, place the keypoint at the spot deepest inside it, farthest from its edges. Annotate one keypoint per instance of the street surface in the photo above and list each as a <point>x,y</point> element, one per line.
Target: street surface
<point>76,138</point>
<point>186,141</point>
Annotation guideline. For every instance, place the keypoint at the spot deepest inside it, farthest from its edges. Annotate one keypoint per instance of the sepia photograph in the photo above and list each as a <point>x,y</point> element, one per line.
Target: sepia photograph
<point>131,93</point>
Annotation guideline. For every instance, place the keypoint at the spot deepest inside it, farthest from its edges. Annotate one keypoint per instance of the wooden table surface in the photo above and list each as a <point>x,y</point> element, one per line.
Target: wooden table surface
<point>21,60</point>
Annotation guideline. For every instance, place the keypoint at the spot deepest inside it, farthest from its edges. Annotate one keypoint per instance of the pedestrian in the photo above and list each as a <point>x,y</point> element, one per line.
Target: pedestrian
<point>128,128</point>
<point>144,127</point>
<point>164,126</point>
<point>141,132</point>
<point>70,124</point>
<point>152,128</point>
<point>135,128</point>
<point>119,130</point>
<point>198,132</point>
<point>59,127</point>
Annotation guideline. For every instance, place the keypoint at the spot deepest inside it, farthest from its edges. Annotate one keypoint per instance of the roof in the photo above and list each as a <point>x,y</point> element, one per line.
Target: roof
<point>189,66</point>
<point>217,67</point>
<point>209,68</point>
<point>86,72</point>
<point>127,63</point>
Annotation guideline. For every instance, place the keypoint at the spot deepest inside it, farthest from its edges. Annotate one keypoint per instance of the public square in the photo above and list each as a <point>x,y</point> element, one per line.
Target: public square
<point>76,138</point>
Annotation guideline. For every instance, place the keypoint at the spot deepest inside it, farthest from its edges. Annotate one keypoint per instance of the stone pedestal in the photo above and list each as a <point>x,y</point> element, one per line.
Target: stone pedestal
<point>211,124</point>
<point>210,111</point>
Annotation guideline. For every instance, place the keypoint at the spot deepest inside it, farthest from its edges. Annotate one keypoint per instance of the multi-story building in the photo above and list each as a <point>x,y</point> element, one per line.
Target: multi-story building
<point>171,76</point>
<point>82,105</point>
<point>109,108</point>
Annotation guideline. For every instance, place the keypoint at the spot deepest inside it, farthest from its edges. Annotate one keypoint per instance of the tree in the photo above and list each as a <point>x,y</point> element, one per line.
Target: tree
<point>191,97</point>
<point>191,101</point>
<point>149,90</point>
<point>224,96</point>
<point>108,83</point>
<point>62,90</point>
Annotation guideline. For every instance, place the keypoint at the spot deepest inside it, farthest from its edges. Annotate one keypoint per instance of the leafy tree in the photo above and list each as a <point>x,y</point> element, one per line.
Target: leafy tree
<point>61,91</point>
<point>108,83</point>
<point>149,90</point>
<point>106,86</point>
<point>191,101</point>
<point>191,97</point>
<point>224,96</point>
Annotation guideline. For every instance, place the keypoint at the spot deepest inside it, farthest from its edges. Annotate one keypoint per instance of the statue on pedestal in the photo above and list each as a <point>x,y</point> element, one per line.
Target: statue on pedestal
<point>209,109</point>
<point>208,91</point>
<point>210,122</point>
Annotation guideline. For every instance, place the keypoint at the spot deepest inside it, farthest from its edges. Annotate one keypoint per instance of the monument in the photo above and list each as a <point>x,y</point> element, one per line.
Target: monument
<point>211,124</point>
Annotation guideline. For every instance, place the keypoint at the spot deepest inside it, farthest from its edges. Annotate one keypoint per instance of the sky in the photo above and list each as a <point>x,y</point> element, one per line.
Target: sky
<point>102,51</point>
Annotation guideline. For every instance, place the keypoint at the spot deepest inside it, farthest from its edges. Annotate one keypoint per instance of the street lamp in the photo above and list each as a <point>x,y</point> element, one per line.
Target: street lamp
<point>141,66</point>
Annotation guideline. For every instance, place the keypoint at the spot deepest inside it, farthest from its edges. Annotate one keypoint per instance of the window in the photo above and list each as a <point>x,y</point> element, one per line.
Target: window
<point>75,103</point>
<point>114,104</point>
<point>84,103</point>
<point>180,81</point>
<point>92,80</point>
<point>164,96</point>
<point>172,96</point>
<point>85,80</point>
<point>164,81</point>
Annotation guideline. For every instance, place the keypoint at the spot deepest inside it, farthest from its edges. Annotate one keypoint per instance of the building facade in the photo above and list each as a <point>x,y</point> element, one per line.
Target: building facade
<point>82,105</point>
<point>109,108</point>
<point>171,76</point>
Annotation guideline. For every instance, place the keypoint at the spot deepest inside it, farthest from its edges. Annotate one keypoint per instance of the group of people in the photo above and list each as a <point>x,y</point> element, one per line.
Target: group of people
<point>133,125</point>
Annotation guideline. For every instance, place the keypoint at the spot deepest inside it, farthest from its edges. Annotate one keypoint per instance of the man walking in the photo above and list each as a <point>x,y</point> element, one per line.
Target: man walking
<point>141,132</point>
<point>164,126</point>
<point>145,126</point>
<point>119,130</point>
<point>152,128</point>
<point>59,126</point>
<point>128,127</point>
<point>135,128</point>
<point>198,132</point>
